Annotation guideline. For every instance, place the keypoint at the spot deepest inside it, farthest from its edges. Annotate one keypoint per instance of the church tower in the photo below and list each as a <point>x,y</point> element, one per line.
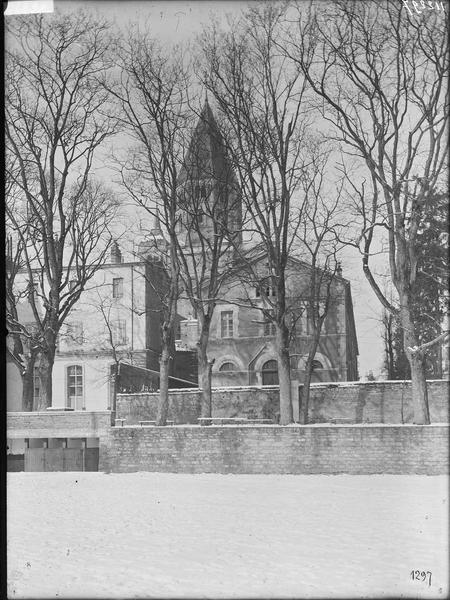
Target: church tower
<point>209,199</point>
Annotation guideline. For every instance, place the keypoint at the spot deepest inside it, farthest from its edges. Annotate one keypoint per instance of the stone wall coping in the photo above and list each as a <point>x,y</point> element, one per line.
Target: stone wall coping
<point>247,388</point>
<point>52,413</point>
<point>290,426</point>
<point>268,388</point>
<point>371,383</point>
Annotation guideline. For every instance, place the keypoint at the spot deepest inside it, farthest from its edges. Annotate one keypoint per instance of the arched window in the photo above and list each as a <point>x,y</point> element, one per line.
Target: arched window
<point>228,366</point>
<point>75,393</point>
<point>270,373</point>
<point>316,364</point>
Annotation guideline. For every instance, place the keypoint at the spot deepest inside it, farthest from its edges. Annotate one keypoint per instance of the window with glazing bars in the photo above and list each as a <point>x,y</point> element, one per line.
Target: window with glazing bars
<point>118,287</point>
<point>75,381</point>
<point>226,323</point>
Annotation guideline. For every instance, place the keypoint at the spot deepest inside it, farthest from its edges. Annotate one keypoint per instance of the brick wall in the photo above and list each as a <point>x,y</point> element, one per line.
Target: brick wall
<point>368,402</point>
<point>357,449</point>
<point>57,424</point>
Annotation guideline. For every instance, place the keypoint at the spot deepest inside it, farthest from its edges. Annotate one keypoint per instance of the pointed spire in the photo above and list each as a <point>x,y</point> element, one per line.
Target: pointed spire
<point>206,156</point>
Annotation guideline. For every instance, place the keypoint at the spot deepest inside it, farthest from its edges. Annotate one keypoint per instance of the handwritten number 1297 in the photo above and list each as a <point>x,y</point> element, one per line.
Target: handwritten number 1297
<point>421,576</point>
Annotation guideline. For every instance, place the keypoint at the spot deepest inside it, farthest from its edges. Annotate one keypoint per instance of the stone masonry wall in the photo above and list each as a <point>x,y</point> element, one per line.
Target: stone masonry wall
<point>374,402</point>
<point>356,402</point>
<point>184,405</point>
<point>356,449</point>
<point>53,424</point>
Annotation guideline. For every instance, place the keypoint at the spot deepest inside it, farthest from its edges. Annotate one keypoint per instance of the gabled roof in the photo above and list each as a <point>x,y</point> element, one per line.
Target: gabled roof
<point>258,253</point>
<point>206,157</point>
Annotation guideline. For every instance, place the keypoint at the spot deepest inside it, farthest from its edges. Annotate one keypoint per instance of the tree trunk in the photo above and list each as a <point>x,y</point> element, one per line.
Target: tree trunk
<point>308,373</point>
<point>163,404</point>
<point>204,376</point>
<point>389,346</point>
<point>28,386</point>
<point>306,393</point>
<point>284,376</point>
<point>27,373</point>
<point>45,375</point>
<point>419,391</point>
<point>114,388</point>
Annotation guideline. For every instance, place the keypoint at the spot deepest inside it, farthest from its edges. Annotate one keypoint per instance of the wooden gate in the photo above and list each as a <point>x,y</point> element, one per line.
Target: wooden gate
<point>61,459</point>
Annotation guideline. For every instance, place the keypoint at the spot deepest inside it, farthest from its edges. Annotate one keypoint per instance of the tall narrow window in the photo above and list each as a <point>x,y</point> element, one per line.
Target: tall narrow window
<point>226,323</point>
<point>269,326</point>
<point>119,331</point>
<point>75,387</point>
<point>118,287</point>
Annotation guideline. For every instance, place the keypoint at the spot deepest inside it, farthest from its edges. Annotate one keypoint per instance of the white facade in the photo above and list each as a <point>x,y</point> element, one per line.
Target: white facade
<point>109,317</point>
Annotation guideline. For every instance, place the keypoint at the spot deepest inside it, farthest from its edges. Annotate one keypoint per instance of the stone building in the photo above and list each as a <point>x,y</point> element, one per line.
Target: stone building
<point>241,343</point>
<point>115,322</point>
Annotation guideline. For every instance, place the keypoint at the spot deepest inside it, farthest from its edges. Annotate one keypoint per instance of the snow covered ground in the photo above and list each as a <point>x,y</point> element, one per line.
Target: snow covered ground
<point>144,535</point>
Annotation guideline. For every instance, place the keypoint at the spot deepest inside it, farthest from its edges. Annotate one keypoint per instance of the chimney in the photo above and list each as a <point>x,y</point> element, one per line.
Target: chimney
<point>116,255</point>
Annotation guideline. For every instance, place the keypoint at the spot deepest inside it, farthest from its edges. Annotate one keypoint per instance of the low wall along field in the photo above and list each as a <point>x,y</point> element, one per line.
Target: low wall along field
<point>184,405</point>
<point>355,402</point>
<point>356,449</point>
<point>370,439</point>
<point>57,424</point>
<point>375,402</point>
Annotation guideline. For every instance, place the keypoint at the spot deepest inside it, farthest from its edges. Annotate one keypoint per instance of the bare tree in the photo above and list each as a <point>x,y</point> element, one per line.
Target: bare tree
<point>168,173</point>
<point>21,348</point>
<point>380,77</point>
<point>57,116</point>
<point>259,96</point>
<point>319,234</point>
<point>151,94</point>
<point>23,341</point>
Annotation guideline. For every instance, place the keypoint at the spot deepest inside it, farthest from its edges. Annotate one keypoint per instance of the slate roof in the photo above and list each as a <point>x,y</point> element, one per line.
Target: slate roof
<point>206,157</point>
